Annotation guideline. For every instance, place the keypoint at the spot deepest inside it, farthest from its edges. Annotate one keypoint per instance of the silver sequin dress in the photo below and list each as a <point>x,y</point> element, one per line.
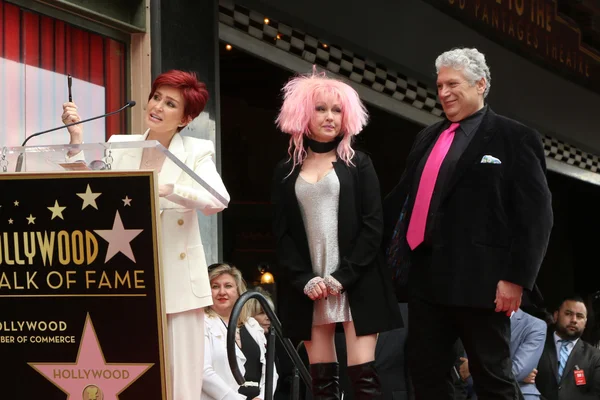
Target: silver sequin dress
<point>319,203</point>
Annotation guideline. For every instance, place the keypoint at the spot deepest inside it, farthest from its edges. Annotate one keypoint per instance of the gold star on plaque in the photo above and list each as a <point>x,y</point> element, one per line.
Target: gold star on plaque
<point>30,220</point>
<point>127,201</point>
<point>16,203</point>
<point>56,210</point>
<point>10,221</point>
<point>89,198</point>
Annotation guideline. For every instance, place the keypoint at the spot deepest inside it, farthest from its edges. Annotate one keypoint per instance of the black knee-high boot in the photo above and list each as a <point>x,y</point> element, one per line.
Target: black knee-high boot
<point>365,381</point>
<point>325,381</point>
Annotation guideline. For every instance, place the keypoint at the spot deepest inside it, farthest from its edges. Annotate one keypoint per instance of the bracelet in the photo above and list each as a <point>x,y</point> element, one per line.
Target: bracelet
<point>334,287</point>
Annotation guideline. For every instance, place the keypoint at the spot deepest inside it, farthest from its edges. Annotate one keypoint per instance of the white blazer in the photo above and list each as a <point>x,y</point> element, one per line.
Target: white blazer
<point>183,263</point>
<point>219,383</point>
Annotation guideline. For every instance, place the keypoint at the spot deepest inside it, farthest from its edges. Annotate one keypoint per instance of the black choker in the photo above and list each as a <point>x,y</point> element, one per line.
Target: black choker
<point>320,147</point>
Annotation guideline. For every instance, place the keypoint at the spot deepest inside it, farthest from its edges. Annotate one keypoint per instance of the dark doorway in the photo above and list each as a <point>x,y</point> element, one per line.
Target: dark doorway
<point>252,146</point>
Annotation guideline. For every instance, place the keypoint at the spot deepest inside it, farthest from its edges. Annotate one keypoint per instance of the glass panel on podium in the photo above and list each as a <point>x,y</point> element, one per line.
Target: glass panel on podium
<point>115,156</point>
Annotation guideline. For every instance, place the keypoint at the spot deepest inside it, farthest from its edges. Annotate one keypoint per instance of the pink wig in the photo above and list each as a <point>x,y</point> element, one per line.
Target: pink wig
<point>300,96</point>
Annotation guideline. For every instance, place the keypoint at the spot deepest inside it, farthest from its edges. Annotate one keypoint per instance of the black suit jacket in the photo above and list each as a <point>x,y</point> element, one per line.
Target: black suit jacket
<point>584,356</point>
<point>361,272</point>
<point>493,222</point>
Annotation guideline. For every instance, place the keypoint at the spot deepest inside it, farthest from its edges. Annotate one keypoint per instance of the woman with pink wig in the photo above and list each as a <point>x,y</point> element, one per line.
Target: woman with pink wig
<point>328,224</point>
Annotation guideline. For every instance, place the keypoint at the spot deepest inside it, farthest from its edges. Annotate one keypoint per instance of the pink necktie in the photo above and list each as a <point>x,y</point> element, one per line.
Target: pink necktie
<point>418,219</point>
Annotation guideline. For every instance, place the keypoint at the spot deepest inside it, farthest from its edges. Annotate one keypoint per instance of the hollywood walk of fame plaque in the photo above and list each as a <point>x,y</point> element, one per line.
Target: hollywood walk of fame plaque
<point>82,315</point>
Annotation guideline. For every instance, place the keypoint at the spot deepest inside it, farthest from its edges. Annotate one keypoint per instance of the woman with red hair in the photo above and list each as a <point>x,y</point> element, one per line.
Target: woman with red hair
<point>328,224</point>
<point>177,97</point>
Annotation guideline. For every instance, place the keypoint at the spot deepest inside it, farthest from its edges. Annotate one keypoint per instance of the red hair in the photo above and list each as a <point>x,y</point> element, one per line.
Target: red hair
<point>194,92</point>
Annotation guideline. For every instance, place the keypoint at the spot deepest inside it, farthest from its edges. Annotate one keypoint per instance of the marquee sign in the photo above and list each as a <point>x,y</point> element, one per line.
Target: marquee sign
<point>534,29</point>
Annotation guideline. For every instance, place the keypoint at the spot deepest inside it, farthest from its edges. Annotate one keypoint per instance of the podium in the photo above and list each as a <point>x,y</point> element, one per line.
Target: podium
<point>83,313</point>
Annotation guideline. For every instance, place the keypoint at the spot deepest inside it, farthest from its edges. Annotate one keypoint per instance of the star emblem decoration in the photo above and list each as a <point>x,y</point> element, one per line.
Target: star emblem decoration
<point>10,221</point>
<point>127,201</point>
<point>118,239</point>
<point>89,198</point>
<point>16,203</point>
<point>30,220</point>
<point>56,210</point>
<point>111,379</point>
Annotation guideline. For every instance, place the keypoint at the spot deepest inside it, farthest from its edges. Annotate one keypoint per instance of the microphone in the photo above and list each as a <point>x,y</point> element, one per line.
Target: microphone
<point>129,104</point>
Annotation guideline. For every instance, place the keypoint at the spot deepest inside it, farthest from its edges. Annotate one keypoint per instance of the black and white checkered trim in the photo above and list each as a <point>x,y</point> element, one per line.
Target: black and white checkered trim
<point>367,72</point>
<point>331,57</point>
<point>560,151</point>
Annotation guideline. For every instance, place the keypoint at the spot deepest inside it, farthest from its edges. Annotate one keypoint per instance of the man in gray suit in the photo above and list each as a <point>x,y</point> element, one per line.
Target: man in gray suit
<point>527,338</point>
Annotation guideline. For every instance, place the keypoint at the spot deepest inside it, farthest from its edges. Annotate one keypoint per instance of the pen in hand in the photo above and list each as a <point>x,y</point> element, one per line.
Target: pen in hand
<point>70,83</point>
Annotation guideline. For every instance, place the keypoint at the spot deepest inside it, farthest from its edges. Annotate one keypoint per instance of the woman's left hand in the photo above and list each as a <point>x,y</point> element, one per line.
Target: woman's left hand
<point>165,190</point>
<point>334,287</point>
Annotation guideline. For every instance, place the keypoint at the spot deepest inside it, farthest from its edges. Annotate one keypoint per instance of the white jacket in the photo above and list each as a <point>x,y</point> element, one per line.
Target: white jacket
<point>219,383</point>
<point>183,263</point>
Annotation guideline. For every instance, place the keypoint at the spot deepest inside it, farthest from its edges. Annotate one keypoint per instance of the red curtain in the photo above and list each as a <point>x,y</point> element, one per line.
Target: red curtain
<point>40,41</point>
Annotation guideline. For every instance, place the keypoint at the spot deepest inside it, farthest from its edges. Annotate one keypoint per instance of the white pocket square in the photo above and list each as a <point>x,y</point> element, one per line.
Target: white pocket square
<point>490,160</point>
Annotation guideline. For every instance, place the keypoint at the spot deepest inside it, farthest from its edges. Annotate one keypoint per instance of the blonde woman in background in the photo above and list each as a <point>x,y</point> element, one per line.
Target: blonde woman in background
<point>227,285</point>
<point>283,362</point>
<point>257,312</point>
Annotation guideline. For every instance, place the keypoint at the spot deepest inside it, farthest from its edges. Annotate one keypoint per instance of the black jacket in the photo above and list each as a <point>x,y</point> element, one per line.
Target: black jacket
<point>493,222</point>
<point>361,272</point>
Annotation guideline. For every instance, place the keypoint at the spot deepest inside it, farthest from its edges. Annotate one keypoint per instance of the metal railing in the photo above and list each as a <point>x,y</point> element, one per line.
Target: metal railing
<point>287,344</point>
<point>295,393</point>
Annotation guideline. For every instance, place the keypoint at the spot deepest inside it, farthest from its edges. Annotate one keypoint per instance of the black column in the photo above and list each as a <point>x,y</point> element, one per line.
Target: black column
<point>184,35</point>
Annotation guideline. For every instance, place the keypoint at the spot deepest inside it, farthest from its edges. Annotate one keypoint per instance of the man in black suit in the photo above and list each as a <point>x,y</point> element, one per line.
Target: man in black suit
<point>475,228</point>
<point>569,368</point>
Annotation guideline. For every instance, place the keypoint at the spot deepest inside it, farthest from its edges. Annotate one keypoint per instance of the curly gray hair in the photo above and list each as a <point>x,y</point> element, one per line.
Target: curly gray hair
<point>471,61</point>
